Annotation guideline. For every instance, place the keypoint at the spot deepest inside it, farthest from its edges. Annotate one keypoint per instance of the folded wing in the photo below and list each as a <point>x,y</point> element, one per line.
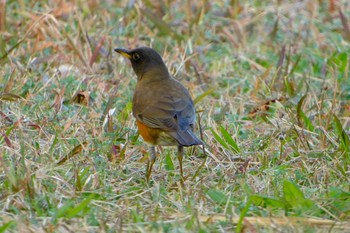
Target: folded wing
<point>175,116</point>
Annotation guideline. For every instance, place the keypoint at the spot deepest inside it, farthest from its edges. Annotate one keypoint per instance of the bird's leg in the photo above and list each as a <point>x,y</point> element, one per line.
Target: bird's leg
<point>180,155</point>
<point>151,160</point>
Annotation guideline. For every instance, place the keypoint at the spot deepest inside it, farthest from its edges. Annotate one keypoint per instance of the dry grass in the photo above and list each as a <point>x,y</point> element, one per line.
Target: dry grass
<point>271,83</point>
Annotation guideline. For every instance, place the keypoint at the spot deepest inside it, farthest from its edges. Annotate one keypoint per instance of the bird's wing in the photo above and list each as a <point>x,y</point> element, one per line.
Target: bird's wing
<point>169,113</point>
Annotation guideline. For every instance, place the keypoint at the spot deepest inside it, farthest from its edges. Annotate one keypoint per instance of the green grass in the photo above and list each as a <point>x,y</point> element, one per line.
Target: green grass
<point>271,83</point>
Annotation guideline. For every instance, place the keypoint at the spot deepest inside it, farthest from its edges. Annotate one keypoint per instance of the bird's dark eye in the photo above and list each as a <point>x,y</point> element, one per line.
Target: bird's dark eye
<point>135,56</point>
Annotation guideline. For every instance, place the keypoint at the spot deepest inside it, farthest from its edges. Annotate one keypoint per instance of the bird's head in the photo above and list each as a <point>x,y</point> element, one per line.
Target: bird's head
<point>146,62</point>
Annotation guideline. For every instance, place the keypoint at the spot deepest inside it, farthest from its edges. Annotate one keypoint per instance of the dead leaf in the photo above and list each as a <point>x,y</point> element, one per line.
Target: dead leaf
<point>81,97</point>
<point>93,4</point>
<point>58,99</point>
<point>64,9</point>
<point>7,140</point>
<point>7,118</point>
<point>34,125</point>
<point>18,123</point>
<point>262,109</point>
<point>76,150</point>
<point>117,152</point>
<point>331,6</point>
<point>7,96</point>
<point>244,166</point>
<point>109,123</point>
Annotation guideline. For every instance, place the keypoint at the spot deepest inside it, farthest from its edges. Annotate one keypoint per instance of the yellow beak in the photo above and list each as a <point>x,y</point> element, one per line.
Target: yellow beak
<point>123,52</point>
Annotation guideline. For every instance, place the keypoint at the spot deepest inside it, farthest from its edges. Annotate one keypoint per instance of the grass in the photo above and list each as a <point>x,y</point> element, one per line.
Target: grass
<point>271,85</point>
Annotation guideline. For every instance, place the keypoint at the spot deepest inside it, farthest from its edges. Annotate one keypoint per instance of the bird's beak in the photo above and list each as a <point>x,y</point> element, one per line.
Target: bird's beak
<point>123,52</point>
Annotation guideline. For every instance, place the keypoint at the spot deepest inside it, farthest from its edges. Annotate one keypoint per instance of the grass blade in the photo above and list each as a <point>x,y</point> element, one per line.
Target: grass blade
<point>204,94</point>
<point>83,206</point>
<point>242,215</point>
<point>267,202</point>
<point>217,196</point>
<point>229,140</point>
<point>6,226</point>
<point>344,138</point>
<point>169,165</point>
<point>219,139</point>
<point>294,196</point>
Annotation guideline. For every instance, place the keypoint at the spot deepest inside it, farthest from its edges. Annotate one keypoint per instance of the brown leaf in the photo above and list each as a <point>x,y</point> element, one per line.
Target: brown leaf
<point>262,109</point>
<point>6,96</point>
<point>117,152</point>
<point>4,116</point>
<point>76,150</point>
<point>58,99</point>
<point>64,9</point>
<point>331,6</point>
<point>248,226</point>
<point>109,123</point>
<point>17,123</point>
<point>93,4</point>
<point>244,166</point>
<point>34,125</point>
<point>81,97</point>
<point>7,140</point>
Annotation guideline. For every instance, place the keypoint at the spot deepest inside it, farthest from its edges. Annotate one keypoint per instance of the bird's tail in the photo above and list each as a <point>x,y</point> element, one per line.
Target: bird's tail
<point>186,138</point>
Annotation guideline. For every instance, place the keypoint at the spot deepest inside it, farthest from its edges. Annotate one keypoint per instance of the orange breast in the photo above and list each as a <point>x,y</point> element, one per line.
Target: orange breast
<point>149,135</point>
<point>155,136</point>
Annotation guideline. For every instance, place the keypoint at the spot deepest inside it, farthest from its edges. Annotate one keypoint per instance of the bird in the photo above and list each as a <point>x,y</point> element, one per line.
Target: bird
<point>163,108</point>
